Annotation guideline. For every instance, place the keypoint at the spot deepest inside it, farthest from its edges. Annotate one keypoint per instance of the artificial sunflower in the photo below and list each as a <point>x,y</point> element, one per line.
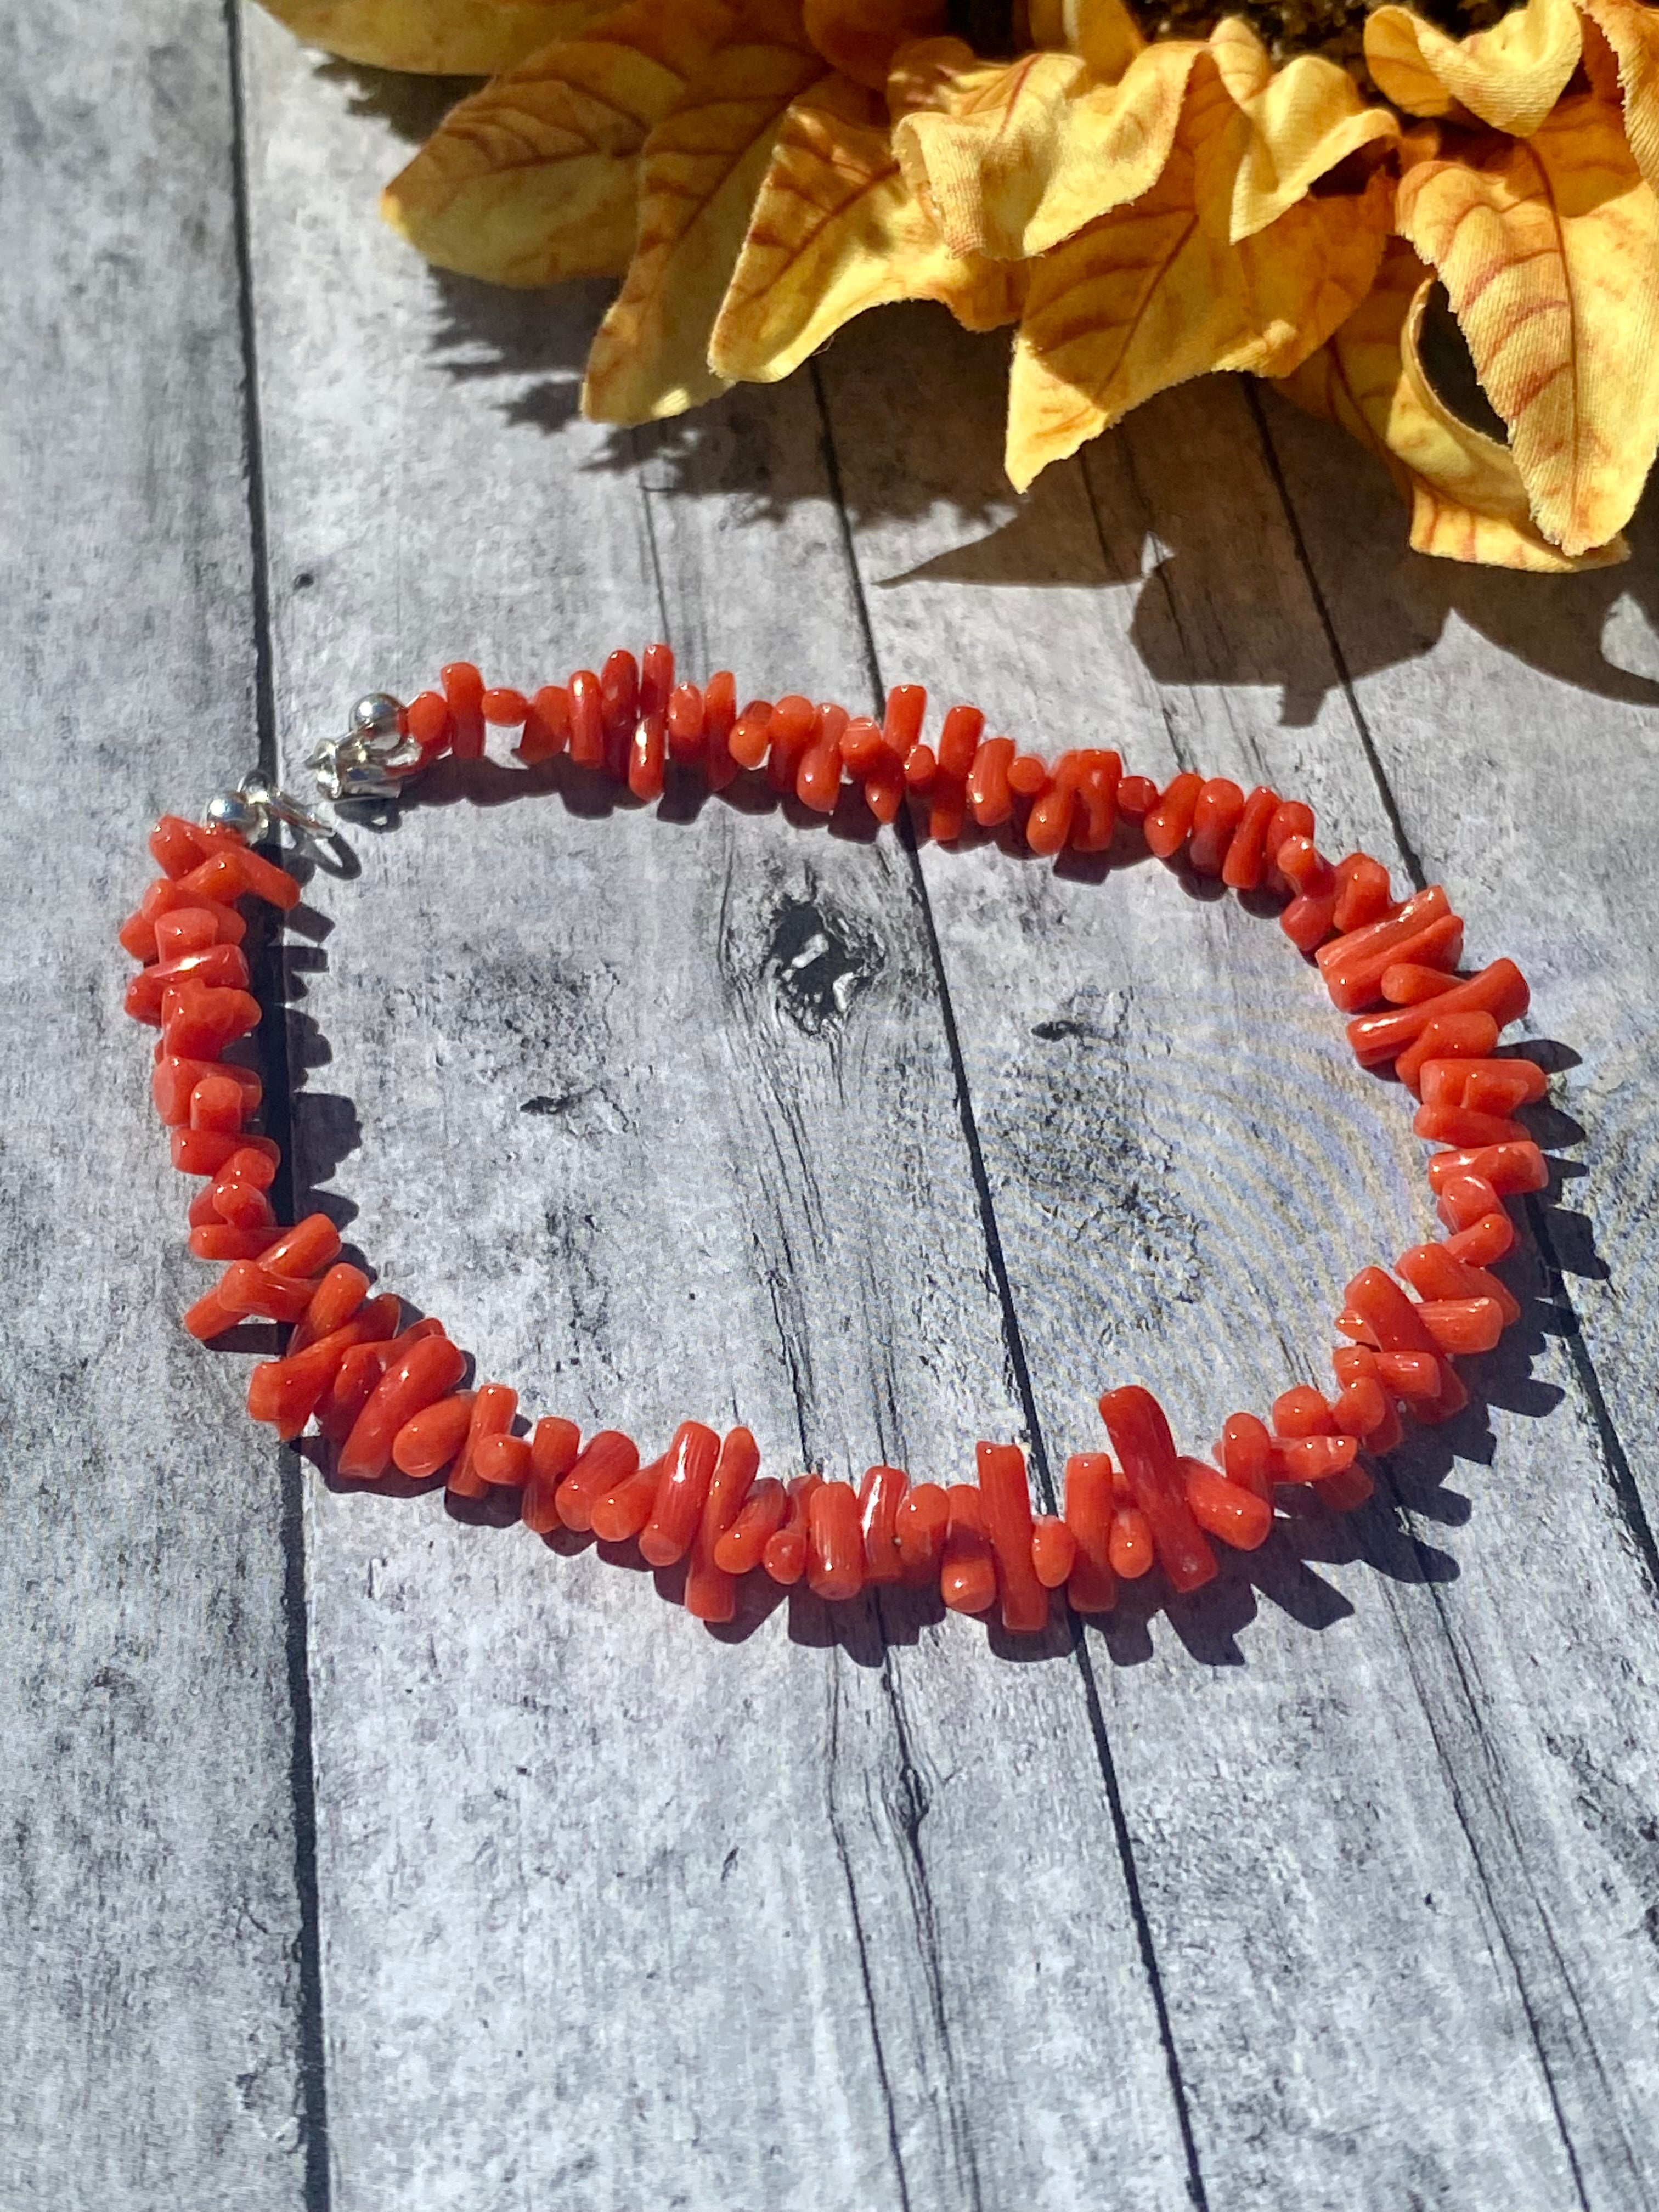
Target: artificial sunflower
<point>1142,191</point>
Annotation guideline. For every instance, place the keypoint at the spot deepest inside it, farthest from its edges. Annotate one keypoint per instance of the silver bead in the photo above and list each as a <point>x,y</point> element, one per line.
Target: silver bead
<point>237,810</point>
<point>376,714</point>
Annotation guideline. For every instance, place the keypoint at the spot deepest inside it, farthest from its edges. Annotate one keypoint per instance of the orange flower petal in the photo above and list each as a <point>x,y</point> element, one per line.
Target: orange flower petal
<point>1157,292</point>
<point>1511,76</point>
<point>835,230</point>
<point>1304,119</point>
<point>704,166</point>
<point>1549,249</point>
<point>534,179</point>
<point>439,38</point>
<point>1633,31</point>
<point>861,37</point>
<point>1103,32</point>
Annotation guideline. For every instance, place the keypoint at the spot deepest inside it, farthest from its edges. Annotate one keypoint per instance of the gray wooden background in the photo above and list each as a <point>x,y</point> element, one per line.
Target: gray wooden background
<point>357,1855</point>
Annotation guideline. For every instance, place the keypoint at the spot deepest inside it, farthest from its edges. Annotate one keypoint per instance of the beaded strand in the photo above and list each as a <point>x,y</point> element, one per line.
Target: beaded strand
<point>389,1399</point>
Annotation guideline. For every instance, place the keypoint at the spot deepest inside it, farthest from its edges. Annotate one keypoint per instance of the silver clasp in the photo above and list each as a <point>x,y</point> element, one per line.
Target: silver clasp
<point>376,758</point>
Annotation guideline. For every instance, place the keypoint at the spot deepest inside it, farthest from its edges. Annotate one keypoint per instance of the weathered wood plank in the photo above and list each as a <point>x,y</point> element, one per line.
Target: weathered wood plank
<point>1397,1940</point>
<point>617,1913</point>
<point>150,2012</point>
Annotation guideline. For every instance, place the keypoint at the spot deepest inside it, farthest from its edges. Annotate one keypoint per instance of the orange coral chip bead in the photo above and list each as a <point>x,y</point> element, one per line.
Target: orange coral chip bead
<point>835,1543</point>
<point>719,712</point>
<point>428,1441</point>
<point>1392,934</point>
<point>178,846</point>
<point>863,748</point>
<point>1484,1242</point>
<point>682,1493</point>
<point>218,1102</point>
<point>1362,893</point>
<point>738,1551</point>
<point>247,1288</point>
<point>711,1592</point>
<point>546,730</point>
<point>1094,817</point>
<point>817,778</point>
<point>1169,825</point>
<point>1302,1411</point>
<point>205,1152</point>
<point>619,706</point>
<point>1140,1437</point>
<point>608,1457</point>
<point>586,720</point>
<point>1008,1523</point>
<point>686,738</point>
<point>968,1569</point>
<point>429,723</point>
<point>173,1080</point>
<point>1225,1510</point>
<point>555,1447</point>
<point>494,1406</point>
<point>353,1386</point>
<point>505,708</point>
<point>656,679</point>
<point>1049,824</point>
<point>751,733</point>
<point>464,691</point>
<point>503,1462</point>
<point>1137,795</point>
<point>1435,1273</point>
<point>901,726</point>
<point>219,1240</point>
<point>284,1393</point>
<point>620,1515</point>
<point>1218,813</point>
<point>1312,1459</point>
<point>1462,1325</point>
<point>1028,775</point>
<point>428,1370</point>
<point>647,758</point>
<point>1361,1408</point>
<point>312,1243</point>
<point>1409,983</point>
<point>235,872</point>
<point>1499,990</point>
<point>785,1555</point>
<point>1053,1550</point>
<point>198,1023</point>
<point>1462,1126</point>
<point>1130,1547</point>
<point>187,929</point>
<point>1450,1036</point>
<point>1247,851</point>
<point>337,1296</point>
<point>221,967</point>
<point>990,796</point>
<point>1358,982</point>
<point>1466,1199</point>
<point>919,1530</point>
<point>1293,818</point>
<point>1485,1087</point>
<point>1091,1584</point>
<point>137,934</point>
<point>880,1495</point>
<point>1247,1454</point>
<point>1511,1168</point>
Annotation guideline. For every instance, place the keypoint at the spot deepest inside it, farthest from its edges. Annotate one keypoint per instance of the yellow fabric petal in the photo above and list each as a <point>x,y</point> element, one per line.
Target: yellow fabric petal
<point>1103,32</point>
<point>702,167</point>
<point>1549,249</point>
<point>1304,119</point>
<point>534,179</point>
<point>835,230</point>
<point>1466,498</point>
<point>437,37</point>
<point>1157,292</point>
<point>1014,156</point>
<point>1633,31</point>
<point>861,37</point>
<point>1511,76</point>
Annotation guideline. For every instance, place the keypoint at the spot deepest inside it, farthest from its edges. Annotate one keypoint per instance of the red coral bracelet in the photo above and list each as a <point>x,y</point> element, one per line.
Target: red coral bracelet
<point>390,1400</point>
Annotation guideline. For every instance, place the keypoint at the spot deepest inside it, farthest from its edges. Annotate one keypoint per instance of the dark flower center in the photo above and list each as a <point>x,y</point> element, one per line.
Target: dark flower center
<point>1336,29</point>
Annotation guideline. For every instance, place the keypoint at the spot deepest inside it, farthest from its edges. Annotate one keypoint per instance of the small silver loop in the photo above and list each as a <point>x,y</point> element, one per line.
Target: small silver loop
<point>285,807</point>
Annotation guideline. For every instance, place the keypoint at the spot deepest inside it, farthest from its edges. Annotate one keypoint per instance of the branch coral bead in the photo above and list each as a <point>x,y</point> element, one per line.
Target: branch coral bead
<point>398,1401</point>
